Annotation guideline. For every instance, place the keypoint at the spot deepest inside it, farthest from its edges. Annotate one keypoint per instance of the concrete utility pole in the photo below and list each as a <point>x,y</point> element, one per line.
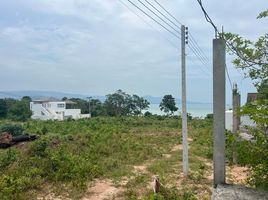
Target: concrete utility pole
<point>219,62</point>
<point>236,119</point>
<point>184,111</point>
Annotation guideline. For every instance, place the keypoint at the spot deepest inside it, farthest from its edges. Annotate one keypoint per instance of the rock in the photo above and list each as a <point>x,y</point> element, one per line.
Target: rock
<point>237,192</point>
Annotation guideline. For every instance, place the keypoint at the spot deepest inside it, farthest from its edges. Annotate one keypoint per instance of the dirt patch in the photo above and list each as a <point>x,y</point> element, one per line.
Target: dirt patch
<point>237,174</point>
<point>177,147</point>
<point>102,189</point>
<point>166,155</point>
<point>52,196</point>
<point>189,139</point>
<point>141,169</point>
<point>207,162</point>
<point>234,174</point>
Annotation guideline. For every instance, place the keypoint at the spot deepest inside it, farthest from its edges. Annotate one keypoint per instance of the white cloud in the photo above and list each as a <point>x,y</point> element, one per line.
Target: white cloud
<point>15,34</point>
<point>98,46</point>
<point>84,9</point>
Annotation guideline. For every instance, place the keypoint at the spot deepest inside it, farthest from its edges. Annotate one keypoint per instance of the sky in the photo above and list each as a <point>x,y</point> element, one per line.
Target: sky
<point>94,47</point>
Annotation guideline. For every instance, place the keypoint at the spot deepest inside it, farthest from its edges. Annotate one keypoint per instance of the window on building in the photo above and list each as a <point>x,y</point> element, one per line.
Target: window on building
<point>61,105</point>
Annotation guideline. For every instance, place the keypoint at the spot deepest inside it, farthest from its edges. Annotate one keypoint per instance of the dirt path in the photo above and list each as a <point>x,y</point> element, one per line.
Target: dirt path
<point>106,189</point>
<point>102,189</point>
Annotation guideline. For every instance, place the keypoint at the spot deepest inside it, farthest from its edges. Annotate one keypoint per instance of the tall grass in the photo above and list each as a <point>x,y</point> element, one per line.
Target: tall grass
<point>70,154</point>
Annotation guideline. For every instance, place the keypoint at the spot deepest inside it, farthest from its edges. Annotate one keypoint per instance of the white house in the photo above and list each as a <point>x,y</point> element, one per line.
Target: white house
<point>245,120</point>
<point>54,109</point>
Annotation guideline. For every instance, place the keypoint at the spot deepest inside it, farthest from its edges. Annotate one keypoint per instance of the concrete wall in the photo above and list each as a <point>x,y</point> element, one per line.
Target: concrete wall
<point>73,113</point>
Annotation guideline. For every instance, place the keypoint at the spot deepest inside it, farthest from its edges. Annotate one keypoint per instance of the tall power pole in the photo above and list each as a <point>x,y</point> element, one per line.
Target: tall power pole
<point>184,31</point>
<point>219,64</point>
<point>236,120</point>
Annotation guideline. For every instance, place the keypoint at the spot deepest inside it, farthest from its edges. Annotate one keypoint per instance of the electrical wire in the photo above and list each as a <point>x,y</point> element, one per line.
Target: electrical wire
<point>163,14</point>
<point>192,43</point>
<point>168,12</point>
<point>216,34</point>
<point>171,32</point>
<point>147,23</point>
<point>191,39</point>
<point>208,18</point>
<point>231,85</point>
<point>160,17</point>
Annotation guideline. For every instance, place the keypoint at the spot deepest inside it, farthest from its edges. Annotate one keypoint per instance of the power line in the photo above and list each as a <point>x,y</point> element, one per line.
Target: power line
<point>163,14</point>
<point>159,17</point>
<point>197,46</point>
<point>171,32</point>
<point>196,54</point>
<point>208,18</point>
<point>228,76</point>
<point>192,43</point>
<point>171,43</point>
<point>167,12</point>
<point>207,72</point>
<point>192,40</point>
<point>216,33</point>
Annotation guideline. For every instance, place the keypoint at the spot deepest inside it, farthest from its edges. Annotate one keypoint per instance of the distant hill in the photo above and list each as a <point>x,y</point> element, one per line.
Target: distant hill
<point>38,94</point>
<point>59,95</point>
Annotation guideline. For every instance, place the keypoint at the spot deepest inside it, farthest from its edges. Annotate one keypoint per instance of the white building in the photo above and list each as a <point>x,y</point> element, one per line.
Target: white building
<point>54,109</point>
<point>245,120</point>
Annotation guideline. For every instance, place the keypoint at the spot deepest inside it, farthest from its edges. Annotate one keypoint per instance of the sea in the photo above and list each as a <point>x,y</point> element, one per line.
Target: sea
<point>199,110</point>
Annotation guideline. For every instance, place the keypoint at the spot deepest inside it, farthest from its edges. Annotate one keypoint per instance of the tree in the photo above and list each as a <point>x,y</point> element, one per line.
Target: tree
<point>117,104</point>
<point>137,104</point>
<point>96,108</point>
<point>263,90</point>
<point>3,108</point>
<point>26,98</point>
<point>20,110</point>
<point>122,104</point>
<point>82,104</point>
<point>168,105</point>
<point>64,98</point>
<point>252,58</point>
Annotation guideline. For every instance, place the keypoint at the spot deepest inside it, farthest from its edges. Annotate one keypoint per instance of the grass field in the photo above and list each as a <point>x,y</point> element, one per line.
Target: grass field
<point>108,158</point>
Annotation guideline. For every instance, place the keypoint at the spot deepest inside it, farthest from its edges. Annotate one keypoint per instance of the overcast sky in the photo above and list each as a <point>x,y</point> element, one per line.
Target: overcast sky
<point>95,47</point>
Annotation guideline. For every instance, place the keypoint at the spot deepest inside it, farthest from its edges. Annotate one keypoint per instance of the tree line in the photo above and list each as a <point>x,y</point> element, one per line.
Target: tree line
<point>18,110</point>
<point>118,103</point>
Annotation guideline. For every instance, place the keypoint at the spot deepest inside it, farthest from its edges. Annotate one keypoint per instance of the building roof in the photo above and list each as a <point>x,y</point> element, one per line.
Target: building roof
<point>67,101</point>
<point>47,99</point>
<point>252,97</point>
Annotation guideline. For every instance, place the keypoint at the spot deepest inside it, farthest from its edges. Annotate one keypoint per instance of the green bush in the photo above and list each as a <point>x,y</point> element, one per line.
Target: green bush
<point>7,158</point>
<point>13,129</point>
<point>253,154</point>
<point>72,153</point>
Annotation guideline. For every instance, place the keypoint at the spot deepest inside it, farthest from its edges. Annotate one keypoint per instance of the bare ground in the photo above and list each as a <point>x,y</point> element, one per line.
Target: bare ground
<point>106,189</point>
<point>102,189</point>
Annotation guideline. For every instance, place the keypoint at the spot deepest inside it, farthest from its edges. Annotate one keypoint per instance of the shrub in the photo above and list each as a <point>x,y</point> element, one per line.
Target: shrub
<point>13,129</point>
<point>8,158</point>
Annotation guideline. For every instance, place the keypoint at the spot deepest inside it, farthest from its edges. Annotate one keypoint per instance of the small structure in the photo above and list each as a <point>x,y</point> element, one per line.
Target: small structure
<point>54,109</point>
<point>244,119</point>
